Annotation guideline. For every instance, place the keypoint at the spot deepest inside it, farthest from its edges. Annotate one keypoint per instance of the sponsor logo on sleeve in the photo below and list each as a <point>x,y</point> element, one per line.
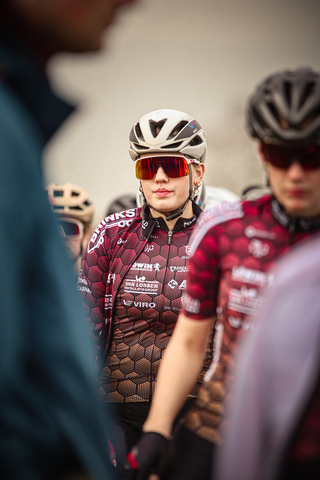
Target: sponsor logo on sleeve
<point>238,322</point>
<point>121,219</point>
<point>96,241</point>
<point>191,305</point>
<point>258,249</point>
<point>108,302</point>
<point>245,300</point>
<point>254,277</point>
<point>82,285</point>
<point>251,232</point>
<point>115,217</point>
<point>111,278</point>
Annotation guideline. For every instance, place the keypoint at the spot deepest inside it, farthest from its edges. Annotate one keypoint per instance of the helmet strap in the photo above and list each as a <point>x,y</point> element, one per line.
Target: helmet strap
<point>142,193</point>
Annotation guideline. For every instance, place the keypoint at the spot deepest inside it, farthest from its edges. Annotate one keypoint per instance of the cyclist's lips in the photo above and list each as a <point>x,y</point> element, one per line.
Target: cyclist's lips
<point>296,192</point>
<point>162,192</point>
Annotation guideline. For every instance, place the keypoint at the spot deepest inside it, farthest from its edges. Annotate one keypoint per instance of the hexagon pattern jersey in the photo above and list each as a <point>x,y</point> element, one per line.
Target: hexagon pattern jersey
<point>132,278</point>
<point>232,249</point>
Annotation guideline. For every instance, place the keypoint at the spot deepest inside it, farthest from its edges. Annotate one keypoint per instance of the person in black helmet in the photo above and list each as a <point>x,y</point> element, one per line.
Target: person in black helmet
<point>134,268</point>
<point>232,251</point>
<point>121,203</point>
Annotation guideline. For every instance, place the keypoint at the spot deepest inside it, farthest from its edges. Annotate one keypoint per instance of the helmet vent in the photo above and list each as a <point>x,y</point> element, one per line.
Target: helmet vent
<point>177,129</point>
<point>156,127</point>
<point>75,194</point>
<point>76,208</point>
<point>274,112</point>
<point>140,147</point>
<point>58,193</point>
<point>308,91</point>
<point>139,132</point>
<point>297,101</point>
<point>195,141</point>
<point>288,92</point>
<point>172,145</point>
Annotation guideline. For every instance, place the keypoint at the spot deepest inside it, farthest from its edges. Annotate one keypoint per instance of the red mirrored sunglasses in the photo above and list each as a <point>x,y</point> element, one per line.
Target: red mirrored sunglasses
<point>174,166</point>
<point>282,156</point>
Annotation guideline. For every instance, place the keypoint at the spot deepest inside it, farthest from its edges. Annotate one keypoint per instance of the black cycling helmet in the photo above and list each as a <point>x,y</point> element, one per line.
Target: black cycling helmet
<point>286,108</point>
<point>121,203</point>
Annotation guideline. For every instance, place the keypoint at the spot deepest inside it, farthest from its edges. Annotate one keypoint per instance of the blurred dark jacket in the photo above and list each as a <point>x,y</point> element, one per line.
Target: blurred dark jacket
<point>50,419</point>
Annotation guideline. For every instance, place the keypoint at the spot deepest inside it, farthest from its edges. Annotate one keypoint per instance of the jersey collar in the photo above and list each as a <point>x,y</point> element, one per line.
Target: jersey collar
<point>149,222</point>
<point>300,223</point>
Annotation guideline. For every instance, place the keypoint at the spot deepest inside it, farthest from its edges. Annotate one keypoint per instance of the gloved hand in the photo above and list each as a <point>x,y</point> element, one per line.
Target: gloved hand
<point>145,456</point>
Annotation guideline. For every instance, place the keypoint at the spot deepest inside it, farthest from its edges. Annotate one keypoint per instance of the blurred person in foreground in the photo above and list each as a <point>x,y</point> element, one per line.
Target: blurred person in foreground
<point>232,250</point>
<point>51,424</point>
<point>74,213</point>
<point>273,429</point>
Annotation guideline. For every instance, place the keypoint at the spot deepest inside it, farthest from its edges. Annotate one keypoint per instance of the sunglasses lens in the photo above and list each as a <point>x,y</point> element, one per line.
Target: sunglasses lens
<point>283,157</point>
<point>144,169</point>
<point>69,229</point>
<point>174,167</point>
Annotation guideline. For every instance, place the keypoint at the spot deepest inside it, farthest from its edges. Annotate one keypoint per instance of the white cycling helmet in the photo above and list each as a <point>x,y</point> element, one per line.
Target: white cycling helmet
<point>69,200</point>
<point>166,131</point>
<point>215,195</point>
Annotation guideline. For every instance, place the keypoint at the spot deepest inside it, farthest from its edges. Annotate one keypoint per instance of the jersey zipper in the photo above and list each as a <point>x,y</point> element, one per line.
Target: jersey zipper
<point>170,232</point>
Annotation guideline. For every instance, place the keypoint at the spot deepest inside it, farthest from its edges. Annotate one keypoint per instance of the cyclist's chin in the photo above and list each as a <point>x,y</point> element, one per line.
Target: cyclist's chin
<point>165,205</point>
<point>302,209</point>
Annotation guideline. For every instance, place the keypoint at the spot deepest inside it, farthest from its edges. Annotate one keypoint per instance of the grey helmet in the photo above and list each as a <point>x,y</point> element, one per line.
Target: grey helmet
<point>121,203</point>
<point>286,107</point>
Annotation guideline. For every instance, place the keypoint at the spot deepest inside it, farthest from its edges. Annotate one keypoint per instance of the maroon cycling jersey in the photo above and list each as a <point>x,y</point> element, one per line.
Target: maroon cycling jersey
<point>232,250</point>
<point>132,277</point>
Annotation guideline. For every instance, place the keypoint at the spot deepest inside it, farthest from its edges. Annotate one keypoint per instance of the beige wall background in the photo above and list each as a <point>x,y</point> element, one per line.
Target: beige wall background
<point>203,57</point>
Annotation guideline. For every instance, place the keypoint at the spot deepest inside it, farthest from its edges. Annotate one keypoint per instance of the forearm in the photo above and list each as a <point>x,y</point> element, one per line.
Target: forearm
<point>180,366</point>
<point>176,377</point>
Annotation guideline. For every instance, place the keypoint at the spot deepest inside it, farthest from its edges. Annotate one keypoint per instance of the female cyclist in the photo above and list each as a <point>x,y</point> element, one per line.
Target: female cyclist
<point>134,268</point>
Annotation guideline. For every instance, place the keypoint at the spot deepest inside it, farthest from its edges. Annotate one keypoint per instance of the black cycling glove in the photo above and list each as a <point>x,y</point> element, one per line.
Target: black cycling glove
<point>145,456</point>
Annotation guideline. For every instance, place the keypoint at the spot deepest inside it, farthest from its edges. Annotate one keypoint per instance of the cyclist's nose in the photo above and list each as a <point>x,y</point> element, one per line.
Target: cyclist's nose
<point>296,170</point>
<point>160,175</point>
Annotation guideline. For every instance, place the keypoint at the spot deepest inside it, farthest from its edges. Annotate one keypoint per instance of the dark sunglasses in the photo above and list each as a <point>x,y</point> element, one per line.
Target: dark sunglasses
<point>282,156</point>
<point>71,228</point>
<point>174,166</point>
